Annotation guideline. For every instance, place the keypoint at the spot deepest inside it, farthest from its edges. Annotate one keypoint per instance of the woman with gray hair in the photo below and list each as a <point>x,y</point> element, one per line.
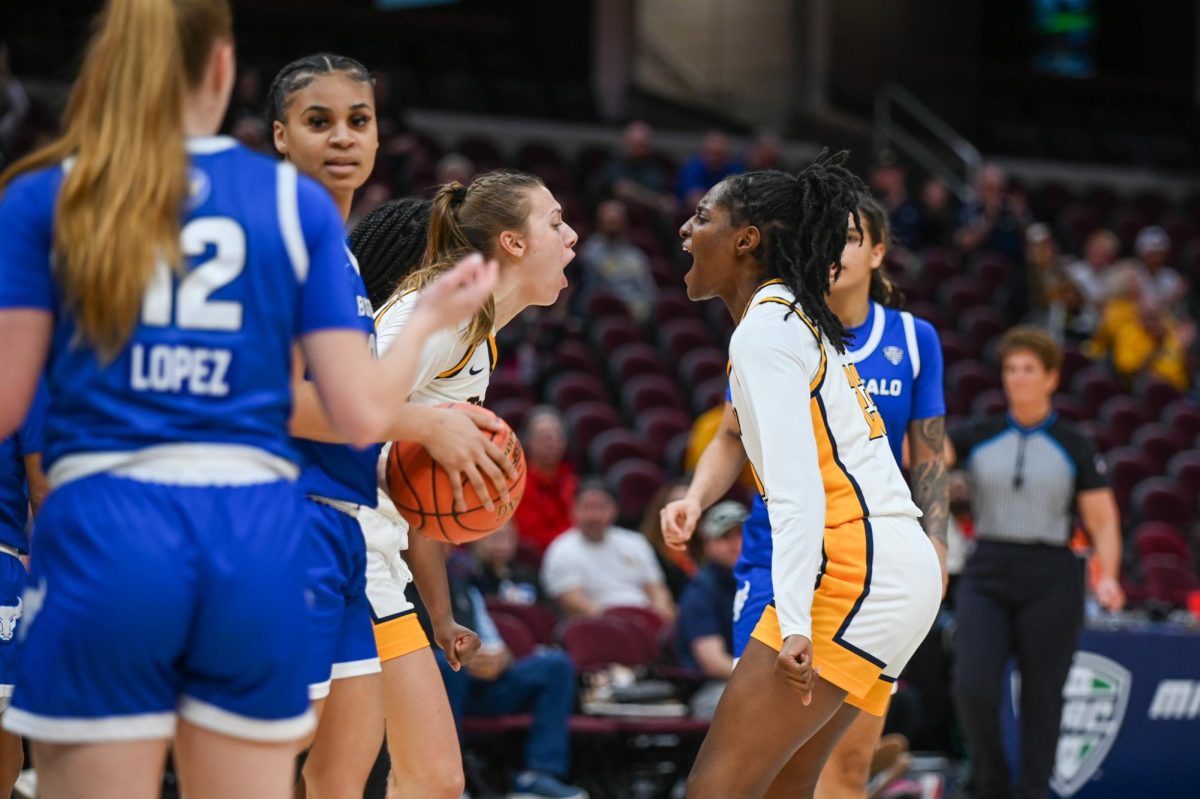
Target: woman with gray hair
<point>545,511</point>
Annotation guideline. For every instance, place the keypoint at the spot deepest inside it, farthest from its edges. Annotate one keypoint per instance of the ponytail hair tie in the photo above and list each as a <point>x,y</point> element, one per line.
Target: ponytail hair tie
<point>458,194</point>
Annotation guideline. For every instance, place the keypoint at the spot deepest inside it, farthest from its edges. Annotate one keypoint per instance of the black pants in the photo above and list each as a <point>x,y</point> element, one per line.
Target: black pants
<point>1024,601</point>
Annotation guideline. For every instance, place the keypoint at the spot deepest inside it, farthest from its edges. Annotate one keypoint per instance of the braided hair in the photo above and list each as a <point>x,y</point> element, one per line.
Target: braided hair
<point>301,72</point>
<point>389,243</point>
<point>802,220</point>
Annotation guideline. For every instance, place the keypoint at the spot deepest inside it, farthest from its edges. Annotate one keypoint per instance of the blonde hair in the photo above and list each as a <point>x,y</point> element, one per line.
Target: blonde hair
<point>466,219</point>
<point>118,210</point>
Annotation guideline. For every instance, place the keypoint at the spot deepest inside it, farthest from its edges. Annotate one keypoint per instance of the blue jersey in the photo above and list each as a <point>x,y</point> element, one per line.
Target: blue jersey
<point>209,359</point>
<point>14,487</point>
<point>899,357</point>
<point>338,471</point>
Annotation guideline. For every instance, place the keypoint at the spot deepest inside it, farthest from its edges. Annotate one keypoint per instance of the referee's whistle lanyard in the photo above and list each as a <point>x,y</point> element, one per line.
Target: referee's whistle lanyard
<point>1019,470</point>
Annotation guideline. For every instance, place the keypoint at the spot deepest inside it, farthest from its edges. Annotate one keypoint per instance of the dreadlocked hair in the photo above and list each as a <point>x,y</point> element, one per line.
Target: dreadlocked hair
<point>879,231</point>
<point>303,71</point>
<point>389,244</point>
<point>467,219</point>
<point>802,221</point>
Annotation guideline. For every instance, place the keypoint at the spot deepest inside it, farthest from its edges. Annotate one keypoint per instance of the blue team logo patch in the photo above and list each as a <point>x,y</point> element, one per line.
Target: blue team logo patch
<point>894,355</point>
<point>199,187</point>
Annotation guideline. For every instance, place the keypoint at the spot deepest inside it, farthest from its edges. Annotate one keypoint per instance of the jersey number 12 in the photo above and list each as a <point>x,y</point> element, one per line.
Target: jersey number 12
<point>191,302</point>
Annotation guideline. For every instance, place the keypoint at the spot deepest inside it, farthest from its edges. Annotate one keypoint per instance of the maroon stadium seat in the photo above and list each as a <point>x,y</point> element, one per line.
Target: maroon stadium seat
<point>1073,362</point>
<point>989,403</point>
<point>992,270</point>
<point>658,427</point>
<point>633,360</point>
<point>709,394</point>
<point>584,422</point>
<point>1156,394</point>
<point>1127,467</point>
<point>613,446</point>
<point>1070,408</point>
<point>613,332</point>
<point>1158,499</point>
<point>650,391</point>
<point>1184,417</point>
<point>1170,583</point>
<point>1093,385</point>
<point>981,325</point>
<point>701,365</point>
<point>517,637</point>
<point>538,619</point>
<point>507,385</point>
<point>672,304</point>
<point>1123,415</point>
<point>1157,538</point>
<point>601,303</point>
<point>566,391</point>
<point>965,381</point>
<point>1159,442</point>
<point>634,482</point>
<point>679,337</point>
<point>595,644</point>
<point>1184,469</point>
<point>959,293</point>
<point>570,356</point>
<point>648,624</point>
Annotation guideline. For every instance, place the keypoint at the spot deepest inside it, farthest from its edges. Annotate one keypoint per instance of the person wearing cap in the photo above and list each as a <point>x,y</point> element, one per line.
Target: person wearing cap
<point>704,632</point>
<point>1161,284</point>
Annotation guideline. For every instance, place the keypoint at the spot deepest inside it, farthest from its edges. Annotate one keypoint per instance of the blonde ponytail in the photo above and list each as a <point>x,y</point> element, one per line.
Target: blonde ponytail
<point>120,204</point>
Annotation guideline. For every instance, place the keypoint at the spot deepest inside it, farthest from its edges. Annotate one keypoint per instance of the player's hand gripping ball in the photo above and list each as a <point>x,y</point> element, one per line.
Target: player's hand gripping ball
<point>422,492</point>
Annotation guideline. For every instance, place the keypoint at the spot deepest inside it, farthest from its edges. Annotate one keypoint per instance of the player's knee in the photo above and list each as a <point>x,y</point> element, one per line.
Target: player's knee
<point>435,780</point>
<point>849,771</point>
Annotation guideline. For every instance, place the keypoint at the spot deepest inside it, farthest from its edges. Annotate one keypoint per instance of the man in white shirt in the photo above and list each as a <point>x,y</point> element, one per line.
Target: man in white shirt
<point>596,565</point>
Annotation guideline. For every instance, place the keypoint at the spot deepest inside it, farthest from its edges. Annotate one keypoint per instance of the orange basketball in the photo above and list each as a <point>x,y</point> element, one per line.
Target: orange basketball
<point>422,492</point>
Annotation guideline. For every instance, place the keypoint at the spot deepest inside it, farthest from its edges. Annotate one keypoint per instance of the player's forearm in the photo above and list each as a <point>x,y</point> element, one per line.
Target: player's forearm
<point>427,561</point>
<point>927,438</point>
<point>718,468</point>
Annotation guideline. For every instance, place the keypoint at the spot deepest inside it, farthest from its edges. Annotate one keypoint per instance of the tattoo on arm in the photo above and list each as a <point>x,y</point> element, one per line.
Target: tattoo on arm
<point>928,475</point>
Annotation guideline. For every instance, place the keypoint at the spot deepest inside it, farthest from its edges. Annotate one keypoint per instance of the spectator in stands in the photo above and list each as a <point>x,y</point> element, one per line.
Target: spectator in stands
<point>251,131</point>
<point>1021,593</point>
<point>704,637</point>
<point>499,575</point>
<point>889,183</point>
<point>705,169</point>
<point>550,484</point>
<point>1161,284</point>
<point>635,177</point>
<point>610,261</point>
<point>596,565</point>
<point>992,220</point>
<point>765,152</point>
<point>1042,274</point>
<point>937,216</point>
<point>495,683</point>
<point>677,565</point>
<point>248,98</point>
<point>1138,335</point>
<point>14,107</point>
<point>1089,273</point>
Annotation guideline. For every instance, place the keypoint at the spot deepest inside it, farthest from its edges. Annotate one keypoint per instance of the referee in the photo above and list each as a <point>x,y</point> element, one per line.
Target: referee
<point>1022,590</point>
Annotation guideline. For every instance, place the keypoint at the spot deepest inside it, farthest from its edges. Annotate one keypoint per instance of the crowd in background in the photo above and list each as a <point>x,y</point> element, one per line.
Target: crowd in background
<point>1117,281</point>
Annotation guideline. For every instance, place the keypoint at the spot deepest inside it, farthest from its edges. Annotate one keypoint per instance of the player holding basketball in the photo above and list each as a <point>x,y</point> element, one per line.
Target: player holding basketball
<point>513,218</point>
<point>899,358</point>
<point>856,581</point>
<point>161,275</point>
<point>322,109</point>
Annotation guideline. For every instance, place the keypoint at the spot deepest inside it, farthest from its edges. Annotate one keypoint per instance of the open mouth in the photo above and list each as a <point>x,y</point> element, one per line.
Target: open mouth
<point>342,166</point>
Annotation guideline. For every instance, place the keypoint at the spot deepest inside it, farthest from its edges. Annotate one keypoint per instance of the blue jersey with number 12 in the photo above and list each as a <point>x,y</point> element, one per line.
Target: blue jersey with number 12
<point>210,355</point>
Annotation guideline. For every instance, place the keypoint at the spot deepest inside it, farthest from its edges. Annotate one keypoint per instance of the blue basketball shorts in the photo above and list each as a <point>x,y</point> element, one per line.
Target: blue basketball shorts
<point>342,636</point>
<point>754,592</point>
<point>13,581</point>
<point>150,602</point>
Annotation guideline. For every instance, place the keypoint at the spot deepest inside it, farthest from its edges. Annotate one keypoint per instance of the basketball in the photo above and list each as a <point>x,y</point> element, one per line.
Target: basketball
<point>422,492</point>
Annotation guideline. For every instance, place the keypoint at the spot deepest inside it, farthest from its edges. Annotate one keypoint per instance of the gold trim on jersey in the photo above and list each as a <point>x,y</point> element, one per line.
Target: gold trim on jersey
<point>815,385</point>
<point>458,367</point>
<point>493,351</point>
<point>775,281</point>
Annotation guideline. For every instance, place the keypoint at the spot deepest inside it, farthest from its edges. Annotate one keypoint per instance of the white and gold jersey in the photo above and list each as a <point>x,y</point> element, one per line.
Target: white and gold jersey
<point>816,442</point>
